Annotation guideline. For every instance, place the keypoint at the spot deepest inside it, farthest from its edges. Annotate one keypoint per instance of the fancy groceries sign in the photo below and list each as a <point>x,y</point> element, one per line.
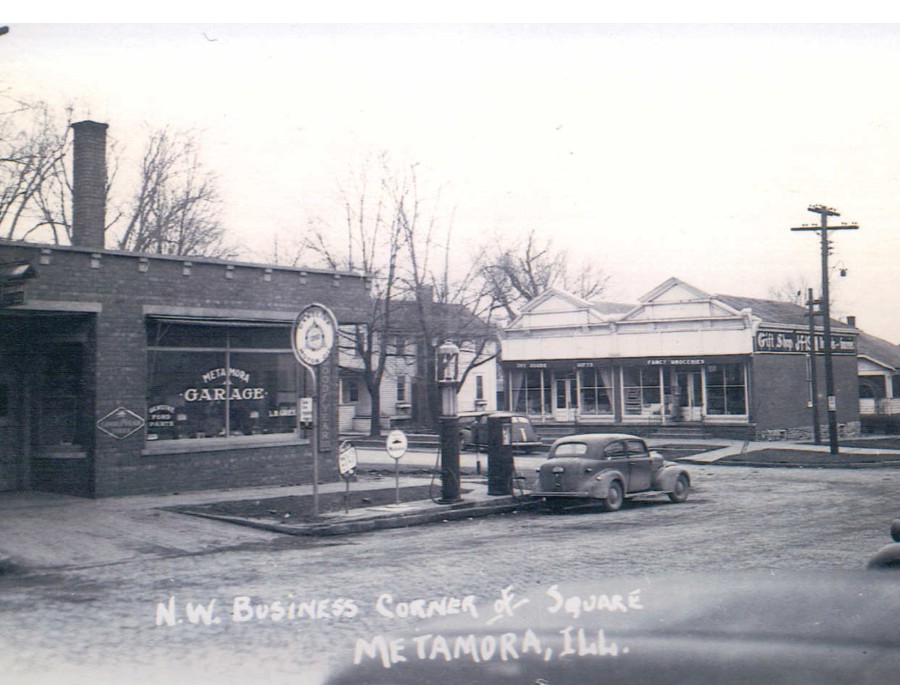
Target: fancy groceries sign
<point>228,391</point>
<point>798,341</point>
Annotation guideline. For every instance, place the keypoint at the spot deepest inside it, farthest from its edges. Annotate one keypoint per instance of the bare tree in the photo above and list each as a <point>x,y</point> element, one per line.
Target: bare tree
<point>515,274</point>
<point>445,305</point>
<point>34,145</point>
<point>176,208</point>
<point>793,290</point>
<point>370,243</point>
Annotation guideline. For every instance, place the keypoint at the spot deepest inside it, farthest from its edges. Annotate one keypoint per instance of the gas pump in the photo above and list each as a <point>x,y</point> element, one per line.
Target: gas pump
<point>500,455</point>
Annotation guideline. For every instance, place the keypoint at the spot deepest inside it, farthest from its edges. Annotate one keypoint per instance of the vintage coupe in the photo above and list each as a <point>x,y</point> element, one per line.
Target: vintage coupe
<point>606,468</point>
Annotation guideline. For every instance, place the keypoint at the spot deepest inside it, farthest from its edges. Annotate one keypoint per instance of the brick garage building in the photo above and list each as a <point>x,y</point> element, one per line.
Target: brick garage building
<point>123,373</point>
<point>682,361</point>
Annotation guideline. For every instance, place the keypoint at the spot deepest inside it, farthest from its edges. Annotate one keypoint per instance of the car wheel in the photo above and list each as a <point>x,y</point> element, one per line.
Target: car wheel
<point>682,489</point>
<point>614,497</point>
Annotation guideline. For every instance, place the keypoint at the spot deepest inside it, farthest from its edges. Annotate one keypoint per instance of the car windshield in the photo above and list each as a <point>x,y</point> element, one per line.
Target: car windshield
<point>570,449</point>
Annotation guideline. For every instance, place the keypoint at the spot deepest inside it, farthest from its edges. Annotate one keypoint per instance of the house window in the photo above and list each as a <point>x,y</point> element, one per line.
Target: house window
<point>596,391</point>
<point>895,386</point>
<point>219,380</point>
<point>479,387</point>
<point>726,390</point>
<point>401,389</point>
<point>873,387</point>
<point>350,390</point>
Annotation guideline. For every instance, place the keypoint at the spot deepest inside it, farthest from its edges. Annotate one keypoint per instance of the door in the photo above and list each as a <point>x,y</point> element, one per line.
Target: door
<point>566,397</point>
<point>11,415</point>
<point>689,396</point>
<point>639,466</point>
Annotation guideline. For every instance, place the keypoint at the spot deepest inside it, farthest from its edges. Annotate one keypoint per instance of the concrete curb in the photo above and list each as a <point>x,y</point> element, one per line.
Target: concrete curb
<point>399,518</point>
<point>776,464</point>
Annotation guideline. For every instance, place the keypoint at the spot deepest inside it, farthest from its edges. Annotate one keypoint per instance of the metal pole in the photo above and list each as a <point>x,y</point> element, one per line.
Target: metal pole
<point>313,435</point>
<point>814,382</point>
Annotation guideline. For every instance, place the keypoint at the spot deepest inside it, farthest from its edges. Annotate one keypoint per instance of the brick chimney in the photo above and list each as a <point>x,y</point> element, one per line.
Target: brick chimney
<point>851,321</point>
<point>89,184</point>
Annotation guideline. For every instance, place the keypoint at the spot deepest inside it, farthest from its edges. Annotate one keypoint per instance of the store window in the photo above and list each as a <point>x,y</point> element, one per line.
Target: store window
<point>641,391</point>
<point>214,381</point>
<point>726,390</point>
<point>596,391</point>
<point>530,392</point>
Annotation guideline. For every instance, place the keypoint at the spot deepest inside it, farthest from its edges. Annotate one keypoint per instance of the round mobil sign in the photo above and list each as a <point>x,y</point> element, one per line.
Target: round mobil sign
<point>396,444</point>
<point>315,330</point>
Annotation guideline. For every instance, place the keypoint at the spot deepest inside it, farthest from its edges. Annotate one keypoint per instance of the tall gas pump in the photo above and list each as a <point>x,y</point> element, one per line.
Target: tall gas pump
<point>500,455</point>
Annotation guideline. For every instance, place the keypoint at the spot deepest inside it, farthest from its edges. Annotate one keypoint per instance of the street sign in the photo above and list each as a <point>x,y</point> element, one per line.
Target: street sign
<point>347,460</point>
<point>306,409</point>
<point>396,444</point>
<point>314,334</point>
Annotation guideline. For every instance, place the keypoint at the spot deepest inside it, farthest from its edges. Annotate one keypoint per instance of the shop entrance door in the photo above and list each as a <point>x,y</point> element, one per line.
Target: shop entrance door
<point>11,453</point>
<point>689,396</point>
<point>566,402</point>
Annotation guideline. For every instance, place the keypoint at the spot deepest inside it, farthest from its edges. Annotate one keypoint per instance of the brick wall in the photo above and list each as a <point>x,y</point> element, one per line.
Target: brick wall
<point>117,289</point>
<point>781,393</point>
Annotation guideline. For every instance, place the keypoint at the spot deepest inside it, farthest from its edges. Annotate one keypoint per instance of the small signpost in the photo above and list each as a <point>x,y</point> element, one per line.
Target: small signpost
<point>347,463</point>
<point>396,446</point>
<point>312,339</point>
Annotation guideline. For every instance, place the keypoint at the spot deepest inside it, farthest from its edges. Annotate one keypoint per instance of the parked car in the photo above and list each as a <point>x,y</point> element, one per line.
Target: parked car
<point>889,556</point>
<point>473,431</point>
<point>607,468</point>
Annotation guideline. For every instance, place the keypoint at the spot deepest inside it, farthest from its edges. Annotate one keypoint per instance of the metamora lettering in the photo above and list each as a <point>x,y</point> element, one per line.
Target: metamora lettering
<point>507,646</point>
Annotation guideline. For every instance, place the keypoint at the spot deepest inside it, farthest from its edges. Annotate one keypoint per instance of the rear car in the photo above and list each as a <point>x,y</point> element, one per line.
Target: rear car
<point>473,428</point>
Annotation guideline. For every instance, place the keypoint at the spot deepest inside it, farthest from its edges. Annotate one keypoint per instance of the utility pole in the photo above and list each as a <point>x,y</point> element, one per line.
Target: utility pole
<point>813,379</point>
<point>825,306</point>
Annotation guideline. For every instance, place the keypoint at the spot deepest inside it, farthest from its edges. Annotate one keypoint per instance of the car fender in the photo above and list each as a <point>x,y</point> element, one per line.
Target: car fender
<point>664,479</point>
<point>600,486</point>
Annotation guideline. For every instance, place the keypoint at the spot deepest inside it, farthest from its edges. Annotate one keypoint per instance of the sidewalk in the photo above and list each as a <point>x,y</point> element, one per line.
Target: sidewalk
<point>42,531</point>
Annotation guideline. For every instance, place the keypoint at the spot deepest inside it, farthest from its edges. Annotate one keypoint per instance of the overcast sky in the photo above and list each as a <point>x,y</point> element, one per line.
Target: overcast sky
<point>652,150</point>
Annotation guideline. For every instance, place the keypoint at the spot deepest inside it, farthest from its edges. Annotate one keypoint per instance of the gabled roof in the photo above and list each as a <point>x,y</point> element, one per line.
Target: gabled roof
<point>878,350</point>
<point>450,319</point>
<point>773,311</point>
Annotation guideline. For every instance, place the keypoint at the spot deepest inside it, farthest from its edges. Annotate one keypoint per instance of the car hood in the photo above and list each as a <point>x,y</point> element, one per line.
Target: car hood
<point>755,628</point>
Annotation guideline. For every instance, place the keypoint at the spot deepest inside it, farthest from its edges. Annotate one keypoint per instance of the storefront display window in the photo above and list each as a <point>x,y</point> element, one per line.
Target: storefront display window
<point>726,390</point>
<point>641,391</point>
<point>208,381</point>
<point>595,387</point>
<point>530,392</point>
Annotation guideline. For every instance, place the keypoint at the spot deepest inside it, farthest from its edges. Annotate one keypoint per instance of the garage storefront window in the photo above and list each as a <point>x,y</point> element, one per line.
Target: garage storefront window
<point>216,381</point>
<point>596,391</point>
<point>726,390</point>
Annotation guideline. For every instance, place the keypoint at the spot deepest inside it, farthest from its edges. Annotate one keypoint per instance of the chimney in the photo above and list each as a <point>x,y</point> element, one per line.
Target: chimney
<point>851,321</point>
<point>89,184</point>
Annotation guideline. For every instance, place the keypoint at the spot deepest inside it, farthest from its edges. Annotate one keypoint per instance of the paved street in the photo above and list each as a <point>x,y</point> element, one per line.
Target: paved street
<point>128,621</point>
